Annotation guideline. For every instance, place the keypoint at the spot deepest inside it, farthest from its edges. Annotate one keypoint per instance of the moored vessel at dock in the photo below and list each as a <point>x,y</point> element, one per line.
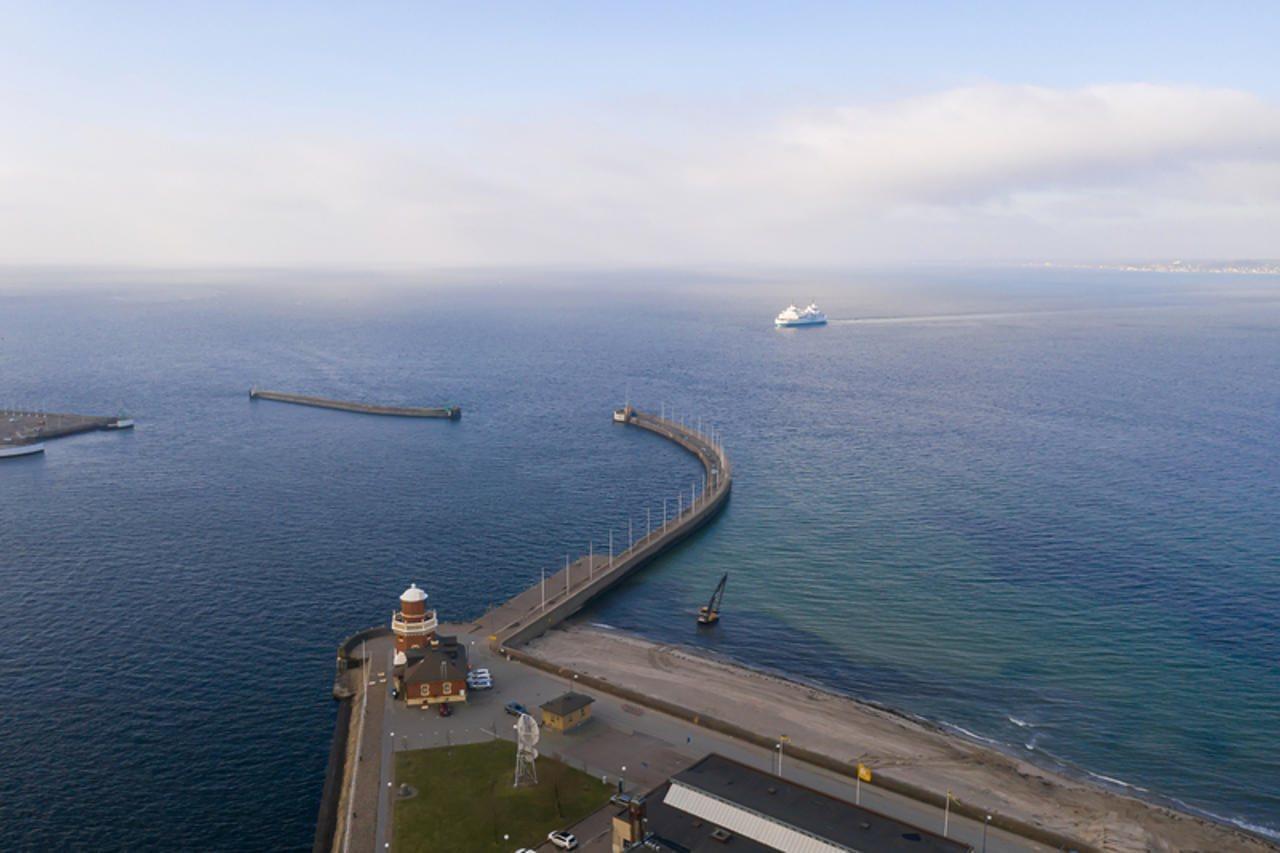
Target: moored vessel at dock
<point>11,451</point>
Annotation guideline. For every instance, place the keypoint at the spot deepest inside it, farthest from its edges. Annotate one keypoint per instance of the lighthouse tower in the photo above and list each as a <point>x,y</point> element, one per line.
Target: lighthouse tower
<point>413,624</point>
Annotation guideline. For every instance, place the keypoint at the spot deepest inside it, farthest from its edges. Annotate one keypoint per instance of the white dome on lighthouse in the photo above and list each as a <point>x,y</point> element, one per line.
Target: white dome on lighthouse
<point>413,594</point>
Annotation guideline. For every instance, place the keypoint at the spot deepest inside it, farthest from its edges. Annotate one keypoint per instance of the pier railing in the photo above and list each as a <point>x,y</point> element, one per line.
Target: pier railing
<point>558,596</point>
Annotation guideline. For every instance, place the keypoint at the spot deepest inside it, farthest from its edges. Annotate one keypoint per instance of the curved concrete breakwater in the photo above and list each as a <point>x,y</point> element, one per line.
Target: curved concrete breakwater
<point>562,594</point>
<point>452,413</point>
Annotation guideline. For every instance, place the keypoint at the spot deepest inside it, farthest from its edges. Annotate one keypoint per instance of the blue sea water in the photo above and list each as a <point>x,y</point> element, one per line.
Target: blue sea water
<point>1037,505</point>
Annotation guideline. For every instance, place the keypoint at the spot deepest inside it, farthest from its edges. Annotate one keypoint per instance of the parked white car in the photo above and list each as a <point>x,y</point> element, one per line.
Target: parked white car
<point>480,683</point>
<point>563,840</point>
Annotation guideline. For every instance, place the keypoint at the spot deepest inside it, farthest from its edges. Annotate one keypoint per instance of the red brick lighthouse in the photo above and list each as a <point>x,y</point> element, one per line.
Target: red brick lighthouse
<point>413,624</point>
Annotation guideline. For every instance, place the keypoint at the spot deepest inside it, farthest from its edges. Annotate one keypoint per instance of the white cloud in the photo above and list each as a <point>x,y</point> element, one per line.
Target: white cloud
<point>988,171</point>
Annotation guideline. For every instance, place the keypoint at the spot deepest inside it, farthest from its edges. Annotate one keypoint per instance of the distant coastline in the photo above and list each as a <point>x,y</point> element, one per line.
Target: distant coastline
<point>1237,267</point>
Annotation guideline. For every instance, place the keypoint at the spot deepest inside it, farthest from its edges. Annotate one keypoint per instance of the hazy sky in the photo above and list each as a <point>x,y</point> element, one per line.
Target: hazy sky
<point>386,134</point>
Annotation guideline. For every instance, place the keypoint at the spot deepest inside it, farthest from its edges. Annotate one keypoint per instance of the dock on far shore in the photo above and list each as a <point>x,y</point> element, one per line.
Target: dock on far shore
<point>19,427</point>
<point>452,413</point>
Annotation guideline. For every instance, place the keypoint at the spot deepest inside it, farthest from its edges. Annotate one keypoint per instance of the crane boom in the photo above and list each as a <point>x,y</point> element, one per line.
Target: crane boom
<point>711,612</point>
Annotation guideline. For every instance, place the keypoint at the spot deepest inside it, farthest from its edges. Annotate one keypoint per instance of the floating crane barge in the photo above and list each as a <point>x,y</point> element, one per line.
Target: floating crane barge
<point>709,614</point>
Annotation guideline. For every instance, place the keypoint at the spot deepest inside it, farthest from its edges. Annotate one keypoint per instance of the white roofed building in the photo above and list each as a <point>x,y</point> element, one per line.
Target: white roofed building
<point>719,804</point>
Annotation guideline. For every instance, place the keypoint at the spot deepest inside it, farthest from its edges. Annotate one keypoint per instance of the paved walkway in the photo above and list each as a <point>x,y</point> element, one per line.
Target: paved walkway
<point>369,749</point>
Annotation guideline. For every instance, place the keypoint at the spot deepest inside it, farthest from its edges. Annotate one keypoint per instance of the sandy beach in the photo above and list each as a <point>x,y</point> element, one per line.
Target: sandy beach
<point>891,744</point>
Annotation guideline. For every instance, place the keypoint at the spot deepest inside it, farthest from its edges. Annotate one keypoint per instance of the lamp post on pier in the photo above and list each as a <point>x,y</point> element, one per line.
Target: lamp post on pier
<point>782,741</point>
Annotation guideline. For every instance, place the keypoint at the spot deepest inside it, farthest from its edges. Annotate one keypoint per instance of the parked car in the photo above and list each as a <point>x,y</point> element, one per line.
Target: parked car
<point>479,683</point>
<point>515,709</point>
<point>621,799</point>
<point>445,710</point>
<point>563,840</point>
<point>478,672</point>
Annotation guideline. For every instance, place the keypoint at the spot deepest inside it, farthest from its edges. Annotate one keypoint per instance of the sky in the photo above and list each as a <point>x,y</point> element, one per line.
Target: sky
<point>636,134</point>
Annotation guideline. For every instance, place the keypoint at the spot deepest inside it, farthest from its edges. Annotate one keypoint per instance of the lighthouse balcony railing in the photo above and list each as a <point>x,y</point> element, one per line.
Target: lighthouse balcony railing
<point>427,626</point>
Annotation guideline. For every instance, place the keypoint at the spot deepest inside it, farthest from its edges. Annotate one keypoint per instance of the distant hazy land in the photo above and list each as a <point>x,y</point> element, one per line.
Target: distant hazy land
<point>1237,267</point>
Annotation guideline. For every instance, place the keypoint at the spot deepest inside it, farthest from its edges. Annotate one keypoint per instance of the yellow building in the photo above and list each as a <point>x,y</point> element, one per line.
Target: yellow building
<point>567,712</point>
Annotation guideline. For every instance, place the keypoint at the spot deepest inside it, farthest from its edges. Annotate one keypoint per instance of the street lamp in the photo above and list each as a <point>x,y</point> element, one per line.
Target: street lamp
<point>622,779</point>
<point>986,824</point>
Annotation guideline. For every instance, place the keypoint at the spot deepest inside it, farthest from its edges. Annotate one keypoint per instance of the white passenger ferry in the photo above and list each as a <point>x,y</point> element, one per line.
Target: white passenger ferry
<point>792,316</point>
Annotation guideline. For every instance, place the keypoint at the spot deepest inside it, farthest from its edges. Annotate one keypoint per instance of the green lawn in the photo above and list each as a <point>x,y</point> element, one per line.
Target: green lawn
<point>466,802</point>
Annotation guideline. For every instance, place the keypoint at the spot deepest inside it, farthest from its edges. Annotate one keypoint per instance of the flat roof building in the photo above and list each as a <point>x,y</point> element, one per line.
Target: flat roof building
<point>567,711</point>
<point>721,804</point>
